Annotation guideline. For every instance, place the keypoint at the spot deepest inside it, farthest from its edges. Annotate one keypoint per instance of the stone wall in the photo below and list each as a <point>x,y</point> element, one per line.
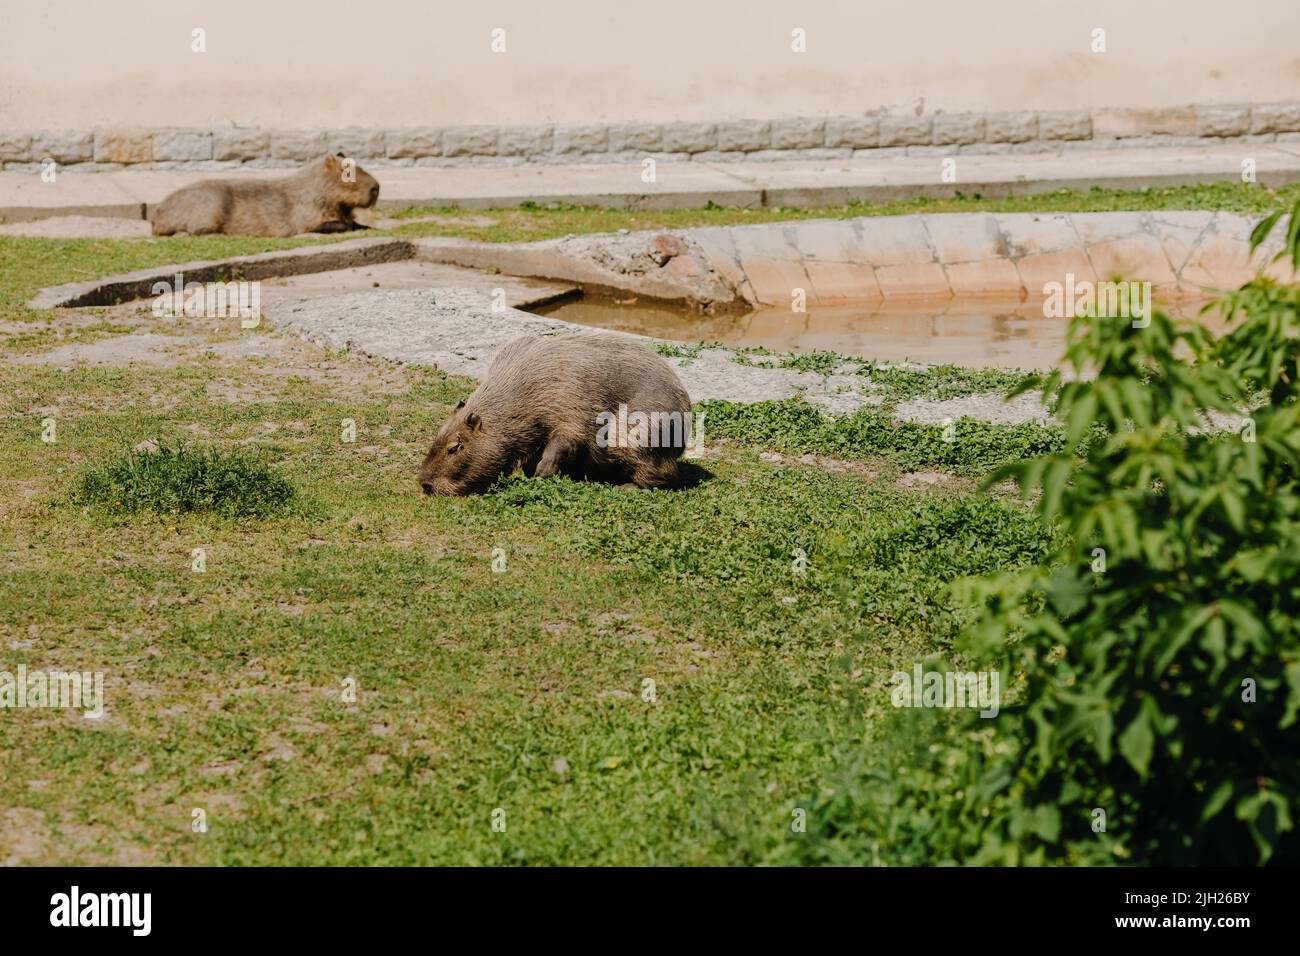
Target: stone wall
<point>875,134</point>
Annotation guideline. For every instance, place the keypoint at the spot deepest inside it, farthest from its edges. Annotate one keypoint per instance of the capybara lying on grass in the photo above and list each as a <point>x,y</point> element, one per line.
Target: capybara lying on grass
<point>584,404</point>
<point>315,199</point>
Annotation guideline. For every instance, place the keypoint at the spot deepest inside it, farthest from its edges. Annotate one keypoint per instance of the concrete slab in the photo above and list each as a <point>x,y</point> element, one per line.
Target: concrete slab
<point>512,292</point>
<point>79,227</point>
<point>456,331</point>
<point>802,183</point>
<point>128,286</point>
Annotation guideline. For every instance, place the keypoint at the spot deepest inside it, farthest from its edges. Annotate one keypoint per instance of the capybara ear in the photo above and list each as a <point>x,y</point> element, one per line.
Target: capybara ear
<point>473,422</point>
<point>460,404</point>
<point>332,162</point>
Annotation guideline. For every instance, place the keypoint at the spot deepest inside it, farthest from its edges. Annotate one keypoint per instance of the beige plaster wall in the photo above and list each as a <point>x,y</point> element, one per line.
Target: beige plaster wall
<point>392,63</point>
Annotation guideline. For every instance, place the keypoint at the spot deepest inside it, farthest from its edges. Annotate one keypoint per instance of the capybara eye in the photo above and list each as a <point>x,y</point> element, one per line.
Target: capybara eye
<point>460,404</point>
<point>453,448</point>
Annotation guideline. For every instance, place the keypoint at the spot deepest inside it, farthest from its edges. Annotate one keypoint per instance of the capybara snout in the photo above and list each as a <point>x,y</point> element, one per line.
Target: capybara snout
<point>361,194</point>
<point>560,404</point>
<point>463,460</point>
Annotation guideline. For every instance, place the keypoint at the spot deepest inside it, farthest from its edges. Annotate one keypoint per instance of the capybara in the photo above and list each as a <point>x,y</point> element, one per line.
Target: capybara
<point>589,405</point>
<point>317,198</point>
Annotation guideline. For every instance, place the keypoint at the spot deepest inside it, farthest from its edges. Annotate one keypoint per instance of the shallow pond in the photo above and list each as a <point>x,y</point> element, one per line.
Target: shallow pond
<point>974,332</point>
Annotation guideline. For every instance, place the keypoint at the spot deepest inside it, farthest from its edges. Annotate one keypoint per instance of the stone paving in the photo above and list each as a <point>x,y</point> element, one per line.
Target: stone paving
<point>696,183</point>
<point>459,330</point>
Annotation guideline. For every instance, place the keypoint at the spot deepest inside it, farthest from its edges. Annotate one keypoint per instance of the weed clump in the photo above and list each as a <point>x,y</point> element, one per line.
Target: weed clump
<point>232,485</point>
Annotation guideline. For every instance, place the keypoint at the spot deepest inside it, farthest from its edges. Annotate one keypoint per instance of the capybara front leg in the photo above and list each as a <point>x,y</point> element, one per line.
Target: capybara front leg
<point>558,453</point>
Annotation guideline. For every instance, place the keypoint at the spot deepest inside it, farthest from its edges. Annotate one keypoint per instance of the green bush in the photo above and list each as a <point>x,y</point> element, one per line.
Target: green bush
<point>1154,660</point>
<point>186,479</point>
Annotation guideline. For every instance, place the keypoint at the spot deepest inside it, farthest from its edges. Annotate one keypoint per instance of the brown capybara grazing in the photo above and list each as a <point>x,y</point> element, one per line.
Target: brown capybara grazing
<point>319,197</point>
<point>588,405</point>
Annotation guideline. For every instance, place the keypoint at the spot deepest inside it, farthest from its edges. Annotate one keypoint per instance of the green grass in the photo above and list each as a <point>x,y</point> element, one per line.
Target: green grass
<point>940,382</point>
<point>965,446</point>
<point>653,678</point>
<point>553,220</point>
<point>225,688</point>
<point>892,383</point>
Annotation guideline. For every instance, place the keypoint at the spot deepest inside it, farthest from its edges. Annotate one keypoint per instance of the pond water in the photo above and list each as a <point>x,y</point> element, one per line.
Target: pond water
<point>974,332</point>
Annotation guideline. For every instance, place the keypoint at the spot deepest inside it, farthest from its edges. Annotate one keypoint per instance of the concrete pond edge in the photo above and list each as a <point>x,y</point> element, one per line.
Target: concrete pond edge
<point>1183,254</point>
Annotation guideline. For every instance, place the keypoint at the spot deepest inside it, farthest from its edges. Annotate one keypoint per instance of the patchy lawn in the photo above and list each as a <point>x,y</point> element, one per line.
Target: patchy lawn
<point>360,674</point>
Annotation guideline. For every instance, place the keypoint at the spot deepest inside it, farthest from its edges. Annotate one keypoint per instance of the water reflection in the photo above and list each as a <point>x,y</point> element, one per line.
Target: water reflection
<point>972,331</point>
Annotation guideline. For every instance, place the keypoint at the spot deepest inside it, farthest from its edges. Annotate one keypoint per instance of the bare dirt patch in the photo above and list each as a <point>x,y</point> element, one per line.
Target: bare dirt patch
<point>144,348</point>
<point>24,836</point>
<point>926,479</point>
<point>142,339</point>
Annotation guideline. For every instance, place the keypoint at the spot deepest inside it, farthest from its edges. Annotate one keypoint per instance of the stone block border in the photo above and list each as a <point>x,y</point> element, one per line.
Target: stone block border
<point>1184,255</point>
<point>870,134</point>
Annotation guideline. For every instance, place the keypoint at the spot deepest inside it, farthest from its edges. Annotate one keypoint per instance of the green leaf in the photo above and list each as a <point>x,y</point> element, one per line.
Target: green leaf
<point>1234,509</point>
<point>1220,796</point>
<point>1058,473</point>
<point>1261,231</point>
<point>1216,643</point>
<point>1047,822</point>
<point>1137,742</point>
<point>1082,417</point>
<point>1292,673</point>
<point>1195,621</point>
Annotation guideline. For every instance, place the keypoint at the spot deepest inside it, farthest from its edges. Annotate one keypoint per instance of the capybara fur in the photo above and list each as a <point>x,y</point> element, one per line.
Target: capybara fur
<point>550,405</point>
<point>315,199</point>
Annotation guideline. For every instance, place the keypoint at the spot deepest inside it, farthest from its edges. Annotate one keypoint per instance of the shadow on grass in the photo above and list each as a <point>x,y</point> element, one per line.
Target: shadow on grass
<point>693,475</point>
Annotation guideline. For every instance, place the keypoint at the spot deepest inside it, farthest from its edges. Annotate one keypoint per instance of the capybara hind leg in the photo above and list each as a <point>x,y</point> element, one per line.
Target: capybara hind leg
<point>661,473</point>
<point>557,457</point>
<point>202,214</point>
